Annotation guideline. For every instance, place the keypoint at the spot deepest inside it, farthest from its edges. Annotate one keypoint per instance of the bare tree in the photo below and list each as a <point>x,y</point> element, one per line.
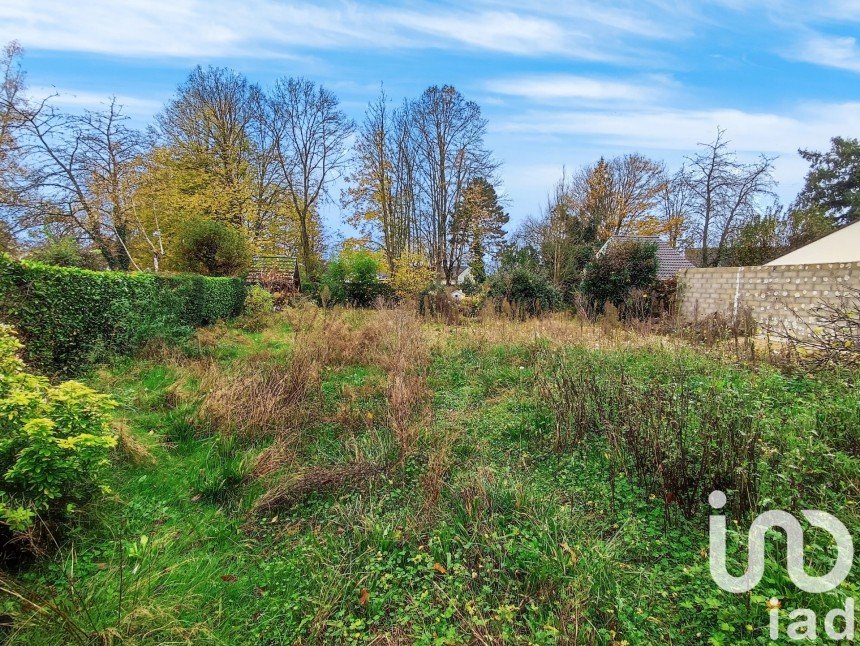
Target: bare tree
<point>271,222</point>
<point>310,135</point>
<point>675,206</point>
<point>553,232</point>
<point>724,194</point>
<point>381,190</point>
<point>11,108</point>
<point>81,173</point>
<point>449,139</point>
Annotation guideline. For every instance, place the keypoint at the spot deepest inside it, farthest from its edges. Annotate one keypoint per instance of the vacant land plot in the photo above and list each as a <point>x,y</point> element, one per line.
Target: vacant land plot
<point>366,477</point>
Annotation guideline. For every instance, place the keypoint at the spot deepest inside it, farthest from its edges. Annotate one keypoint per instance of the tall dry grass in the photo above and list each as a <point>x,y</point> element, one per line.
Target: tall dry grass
<point>261,399</point>
<point>295,488</point>
<point>404,354</point>
<point>392,339</point>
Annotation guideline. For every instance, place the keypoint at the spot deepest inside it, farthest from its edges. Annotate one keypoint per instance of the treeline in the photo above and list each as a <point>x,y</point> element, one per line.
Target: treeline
<point>720,210</point>
<point>225,155</point>
<point>228,169</point>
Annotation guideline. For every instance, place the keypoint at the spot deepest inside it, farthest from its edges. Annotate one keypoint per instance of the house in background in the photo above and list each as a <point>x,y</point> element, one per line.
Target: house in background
<point>463,275</point>
<point>669,260</point>
<point>840,246</point>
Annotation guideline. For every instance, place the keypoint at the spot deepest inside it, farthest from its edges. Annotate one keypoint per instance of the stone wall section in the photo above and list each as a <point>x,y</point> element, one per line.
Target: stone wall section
<point>780,294</point>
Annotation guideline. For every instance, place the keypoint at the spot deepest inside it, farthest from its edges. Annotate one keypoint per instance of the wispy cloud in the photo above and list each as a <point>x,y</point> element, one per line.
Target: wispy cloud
<point>808,125</point>
<point>268,28</point>
<point>88,100</point>
<point>840,52</point>
<point>571,87</point>
<point>491,30</point>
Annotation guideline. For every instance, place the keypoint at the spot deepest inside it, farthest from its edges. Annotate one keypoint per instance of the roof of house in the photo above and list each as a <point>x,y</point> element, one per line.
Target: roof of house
<point>669,260</point>
<point>840,246</point>
<point>274,263</point>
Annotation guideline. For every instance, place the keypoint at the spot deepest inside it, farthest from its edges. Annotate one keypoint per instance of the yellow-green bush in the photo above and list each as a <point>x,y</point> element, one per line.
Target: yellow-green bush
<point>54,443</point>
<point>259,301</point>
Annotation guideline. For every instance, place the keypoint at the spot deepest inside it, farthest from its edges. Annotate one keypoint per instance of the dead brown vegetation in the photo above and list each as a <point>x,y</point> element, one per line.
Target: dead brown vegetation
<point>274,458</point>
<point>390,339</point>
<point>261,398</point>
<point>328,479</point>
<point>129,447</point>
<point>832,339</point>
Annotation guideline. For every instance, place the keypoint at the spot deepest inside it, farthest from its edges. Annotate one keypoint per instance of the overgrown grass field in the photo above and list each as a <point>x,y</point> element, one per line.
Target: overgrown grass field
<point>367,477</point>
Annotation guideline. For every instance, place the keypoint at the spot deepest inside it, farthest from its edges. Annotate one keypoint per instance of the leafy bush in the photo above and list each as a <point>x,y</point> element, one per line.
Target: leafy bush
<point>56,441</point>
<point>68,317</point>
<point>354,279</point>
<point>213,249</point>
<point>67,252</point>
<point>622,268</point>
<point>412,275</point>
<point>259,304</point>
<point>528,290</point>
<point>259,301</point>
<point>470,287</point>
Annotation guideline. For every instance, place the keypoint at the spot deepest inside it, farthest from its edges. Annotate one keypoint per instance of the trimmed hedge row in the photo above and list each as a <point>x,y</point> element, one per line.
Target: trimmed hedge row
<point>69,317</point>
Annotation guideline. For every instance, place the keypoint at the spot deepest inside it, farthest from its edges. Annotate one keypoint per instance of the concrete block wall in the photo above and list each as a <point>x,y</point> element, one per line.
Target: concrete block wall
<point>770,293</point>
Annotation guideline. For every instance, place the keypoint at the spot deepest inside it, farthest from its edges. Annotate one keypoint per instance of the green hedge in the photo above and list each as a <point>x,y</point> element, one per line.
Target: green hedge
<point>68,317</point>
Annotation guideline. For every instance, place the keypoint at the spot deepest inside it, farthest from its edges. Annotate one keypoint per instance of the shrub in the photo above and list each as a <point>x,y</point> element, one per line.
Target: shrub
<point>259,301</point>
<point>212,248</point>
<point>354,279</point>
<point>470,287</point>
<point>68,317</point>
<point>67,252</point>
<point>412,275</point>
<point>56,441</point>
<point>530,291</point>
<point>622,268</point>
<point>259,304</point>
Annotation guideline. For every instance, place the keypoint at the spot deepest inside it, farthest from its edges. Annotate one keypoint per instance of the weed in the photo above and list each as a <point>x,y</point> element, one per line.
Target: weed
<point>223,472</point>
<point>297,487</point>
<point>261,399</point>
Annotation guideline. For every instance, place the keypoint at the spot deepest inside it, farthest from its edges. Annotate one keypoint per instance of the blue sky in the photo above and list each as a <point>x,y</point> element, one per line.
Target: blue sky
<point>561,83</point>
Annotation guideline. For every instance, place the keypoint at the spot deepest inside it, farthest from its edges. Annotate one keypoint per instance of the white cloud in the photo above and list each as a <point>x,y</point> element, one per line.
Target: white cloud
<point>645,18</point>
<point>491,30</point>
<point>268,28</point>
<point>809,125</point>
<point>830,51</point>
<point>570,87</point>
<point>89,100</point>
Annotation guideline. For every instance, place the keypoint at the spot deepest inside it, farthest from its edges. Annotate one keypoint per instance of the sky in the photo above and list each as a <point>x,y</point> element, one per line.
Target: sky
<point>560,83</point>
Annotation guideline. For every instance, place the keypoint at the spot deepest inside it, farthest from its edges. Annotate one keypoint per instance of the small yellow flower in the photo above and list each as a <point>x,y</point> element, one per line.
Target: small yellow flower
<point>773,604</point>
